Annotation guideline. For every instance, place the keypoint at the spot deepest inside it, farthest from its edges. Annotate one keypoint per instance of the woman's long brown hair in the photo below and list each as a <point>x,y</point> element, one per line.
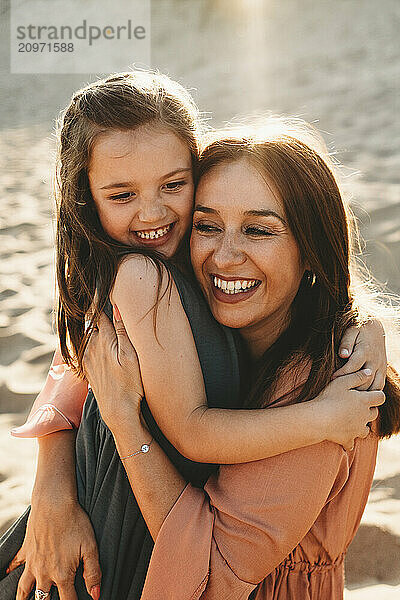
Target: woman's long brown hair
<point>322,226</point>
<point>87,258</point>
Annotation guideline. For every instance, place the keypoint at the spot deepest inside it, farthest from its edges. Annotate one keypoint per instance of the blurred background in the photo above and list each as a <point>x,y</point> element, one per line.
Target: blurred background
<point>336,64</point>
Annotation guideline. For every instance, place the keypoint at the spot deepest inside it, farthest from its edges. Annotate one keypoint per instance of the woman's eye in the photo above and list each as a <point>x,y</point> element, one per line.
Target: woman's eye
<point>125,197</point>
<point>174,186</point>
<point>258,231</point>
<point>205,228</point>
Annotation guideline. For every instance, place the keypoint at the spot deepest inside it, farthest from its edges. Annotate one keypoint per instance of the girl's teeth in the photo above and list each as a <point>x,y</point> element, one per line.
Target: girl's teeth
<point>154,234</point>
<point>234,287</point>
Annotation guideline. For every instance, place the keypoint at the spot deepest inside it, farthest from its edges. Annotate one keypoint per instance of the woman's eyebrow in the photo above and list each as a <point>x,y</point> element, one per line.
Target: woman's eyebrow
<point>205,209</point>
<point>124,184</point>
<point>264,213</point>
<point>248,213</point>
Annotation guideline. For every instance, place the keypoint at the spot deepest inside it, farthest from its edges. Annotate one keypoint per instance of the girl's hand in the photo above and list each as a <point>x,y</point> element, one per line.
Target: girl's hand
<point>345,410</point>
<point>58,536</point>
<point>112,368</point>
<point>365,348</point>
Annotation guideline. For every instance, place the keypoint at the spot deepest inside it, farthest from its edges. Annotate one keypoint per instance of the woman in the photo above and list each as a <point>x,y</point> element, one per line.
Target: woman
<point>100,127</point>
<point>279,527</point>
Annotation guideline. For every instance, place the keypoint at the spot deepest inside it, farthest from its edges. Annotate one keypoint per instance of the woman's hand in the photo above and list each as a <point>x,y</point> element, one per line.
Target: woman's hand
<point>345,410</point>
<point>112,368</point>
<point>365,348</point>
<point>59,533</point>
<point>58,536</point>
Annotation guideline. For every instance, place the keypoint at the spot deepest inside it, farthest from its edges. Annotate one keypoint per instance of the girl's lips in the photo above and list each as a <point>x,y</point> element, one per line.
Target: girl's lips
<point>156,242</point>
<point>232,298</point>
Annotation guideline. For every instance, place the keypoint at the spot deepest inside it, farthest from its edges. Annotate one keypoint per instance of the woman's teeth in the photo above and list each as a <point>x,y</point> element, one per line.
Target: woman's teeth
<point>153,234</point>
<point>236,286</point>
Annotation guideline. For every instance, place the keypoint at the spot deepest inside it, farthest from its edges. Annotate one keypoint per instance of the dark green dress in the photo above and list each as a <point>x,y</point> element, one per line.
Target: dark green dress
<point>124,542</point>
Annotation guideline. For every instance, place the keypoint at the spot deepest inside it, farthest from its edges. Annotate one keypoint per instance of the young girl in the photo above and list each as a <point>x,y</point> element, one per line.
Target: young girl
<point>127,147</point>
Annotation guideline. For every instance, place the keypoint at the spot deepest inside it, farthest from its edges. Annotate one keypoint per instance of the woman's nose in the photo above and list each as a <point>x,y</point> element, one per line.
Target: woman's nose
<point>228,253</point>
<point>151,210</point>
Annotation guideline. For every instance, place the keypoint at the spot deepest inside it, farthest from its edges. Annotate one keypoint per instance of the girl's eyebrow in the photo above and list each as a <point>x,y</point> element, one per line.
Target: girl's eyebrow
<point>124,184</point>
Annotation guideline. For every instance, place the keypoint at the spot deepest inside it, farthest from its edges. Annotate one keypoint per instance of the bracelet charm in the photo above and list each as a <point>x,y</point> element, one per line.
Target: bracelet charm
<point>143,450</point>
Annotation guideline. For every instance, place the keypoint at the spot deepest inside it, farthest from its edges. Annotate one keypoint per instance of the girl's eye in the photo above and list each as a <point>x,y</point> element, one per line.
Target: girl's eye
<point>205,228</point>
<point>257,231</point>
<point>174,186</point>
<point>125,197</point>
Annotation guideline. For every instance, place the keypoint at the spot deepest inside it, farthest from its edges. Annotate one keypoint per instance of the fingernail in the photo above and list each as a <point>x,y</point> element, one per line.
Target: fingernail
<point>116,312</point>
<point>344,352</point>
<point>95,592</point>
<point>368,371</point>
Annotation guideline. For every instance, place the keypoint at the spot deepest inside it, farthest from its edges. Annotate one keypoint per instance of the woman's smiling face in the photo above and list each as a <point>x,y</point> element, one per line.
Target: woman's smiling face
<point>243,253</point>
<point>142,186</point>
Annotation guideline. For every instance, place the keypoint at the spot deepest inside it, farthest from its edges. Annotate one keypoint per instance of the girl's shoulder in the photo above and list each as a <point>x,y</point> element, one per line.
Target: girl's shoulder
<point>147,279</point>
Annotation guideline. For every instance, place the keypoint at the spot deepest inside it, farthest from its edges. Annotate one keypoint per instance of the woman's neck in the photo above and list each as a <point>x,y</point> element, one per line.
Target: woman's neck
<point>260,336</point>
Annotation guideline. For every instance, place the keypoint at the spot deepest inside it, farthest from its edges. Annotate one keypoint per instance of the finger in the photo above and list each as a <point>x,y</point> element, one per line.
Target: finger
<point>119,325</point>
<point>25,585</point>
<point>125,346</point>
<point>379,381</point>
<point>367,384</point>
<point>66,591</point>
<point>104,323</point>
<point>107,334</point>
<point>93,340</point>
<point>91,571</point>
<point>353,380</point>
<point>376,398</point>
<point>355,363</point>
<point>348,341</point>
<point>18,559</point>
<point>373,412</point>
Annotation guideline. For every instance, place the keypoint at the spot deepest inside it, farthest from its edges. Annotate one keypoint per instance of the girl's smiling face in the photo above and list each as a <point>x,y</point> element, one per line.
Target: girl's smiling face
<point>244,255</point>
<point>142,186</point>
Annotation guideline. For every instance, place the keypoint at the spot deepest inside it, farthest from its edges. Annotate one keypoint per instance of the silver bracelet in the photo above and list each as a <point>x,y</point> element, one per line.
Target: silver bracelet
<point>143,450</point>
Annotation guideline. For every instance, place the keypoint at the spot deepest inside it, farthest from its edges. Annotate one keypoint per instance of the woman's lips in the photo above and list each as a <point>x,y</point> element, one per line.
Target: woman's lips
<point>232,291</point>
<point>155,237</point>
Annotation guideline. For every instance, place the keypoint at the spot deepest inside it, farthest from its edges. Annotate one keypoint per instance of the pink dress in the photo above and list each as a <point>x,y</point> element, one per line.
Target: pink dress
<point>279,526</point>
<point>59,405</point>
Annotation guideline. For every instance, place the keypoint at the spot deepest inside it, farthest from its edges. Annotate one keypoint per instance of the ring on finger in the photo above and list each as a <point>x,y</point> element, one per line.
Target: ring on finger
<point>41,595</point>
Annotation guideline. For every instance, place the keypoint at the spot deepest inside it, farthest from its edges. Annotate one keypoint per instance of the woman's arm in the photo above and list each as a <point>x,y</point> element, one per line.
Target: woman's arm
<point>221,542</point>
<point>248,518</point>
<point>59,404</point>
<point>174,387</point>
<point>56,515</point>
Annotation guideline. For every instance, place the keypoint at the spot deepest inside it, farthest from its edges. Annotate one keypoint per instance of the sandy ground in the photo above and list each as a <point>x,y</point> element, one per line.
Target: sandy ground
<point>334,63</point>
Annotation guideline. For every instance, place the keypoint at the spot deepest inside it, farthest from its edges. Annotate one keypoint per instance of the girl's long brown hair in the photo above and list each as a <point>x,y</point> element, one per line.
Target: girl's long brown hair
<point>323,228</point>
<point>87,258</point>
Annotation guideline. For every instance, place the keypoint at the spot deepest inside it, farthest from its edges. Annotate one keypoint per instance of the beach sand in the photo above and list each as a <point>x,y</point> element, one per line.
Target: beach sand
<point>336,64</point>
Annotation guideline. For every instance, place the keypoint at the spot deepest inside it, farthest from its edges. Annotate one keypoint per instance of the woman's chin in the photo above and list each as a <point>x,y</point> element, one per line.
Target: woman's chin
<point>228,318</point>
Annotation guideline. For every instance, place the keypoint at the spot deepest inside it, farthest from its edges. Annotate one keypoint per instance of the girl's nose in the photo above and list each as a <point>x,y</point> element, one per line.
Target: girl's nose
<point>152,210</point>
<point>228,253</point>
